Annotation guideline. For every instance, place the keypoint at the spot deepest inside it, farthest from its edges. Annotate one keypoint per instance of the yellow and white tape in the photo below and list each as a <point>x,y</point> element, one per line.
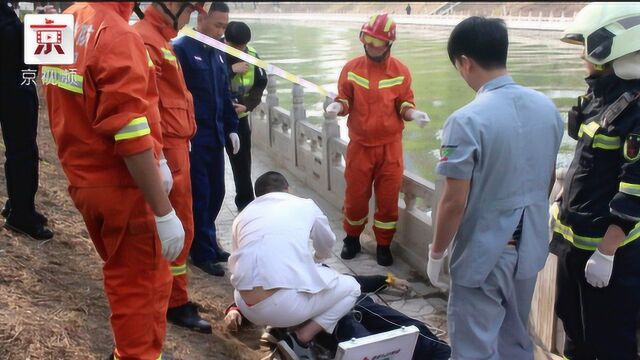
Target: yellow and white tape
<point>269,68</point>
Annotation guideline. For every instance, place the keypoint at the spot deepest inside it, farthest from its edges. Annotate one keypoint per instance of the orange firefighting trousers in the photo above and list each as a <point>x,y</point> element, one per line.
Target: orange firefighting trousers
<point>382,167</point>
<point>180,197</point>
<point>137,279</point>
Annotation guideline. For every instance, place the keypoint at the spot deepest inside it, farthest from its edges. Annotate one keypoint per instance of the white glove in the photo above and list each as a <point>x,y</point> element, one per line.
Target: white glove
<point>420,118</point>
<point>171,235</point>
<point>167,178</point>
<point>334,108</point>
<point>235,142</point>
<point>598,269</point>
<point>434,270</point>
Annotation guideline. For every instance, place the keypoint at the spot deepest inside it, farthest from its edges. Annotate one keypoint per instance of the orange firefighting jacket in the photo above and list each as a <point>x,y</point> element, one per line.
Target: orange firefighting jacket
<point>176,103</point>
<point>375,96</point>
<point>104,106</point>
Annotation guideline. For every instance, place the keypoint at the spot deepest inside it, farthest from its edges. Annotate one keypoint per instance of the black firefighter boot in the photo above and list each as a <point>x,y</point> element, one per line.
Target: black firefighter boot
<point>383,255</point>
<point>187,316</point>
<point>351,247</point>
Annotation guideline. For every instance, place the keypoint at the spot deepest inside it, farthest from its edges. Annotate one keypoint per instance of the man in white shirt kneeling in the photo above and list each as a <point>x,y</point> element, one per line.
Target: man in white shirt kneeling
<point>276,275</point>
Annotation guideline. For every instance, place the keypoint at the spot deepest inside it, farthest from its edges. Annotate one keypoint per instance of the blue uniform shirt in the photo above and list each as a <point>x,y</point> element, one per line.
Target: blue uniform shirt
<point>205,73</point>
<point>505,142</point>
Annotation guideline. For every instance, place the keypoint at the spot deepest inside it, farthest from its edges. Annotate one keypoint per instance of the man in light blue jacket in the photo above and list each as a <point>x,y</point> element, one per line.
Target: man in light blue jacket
<point>498,158</point>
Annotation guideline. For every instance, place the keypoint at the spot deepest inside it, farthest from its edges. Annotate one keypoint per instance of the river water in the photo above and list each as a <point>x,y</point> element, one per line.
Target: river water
<point>317,52</point>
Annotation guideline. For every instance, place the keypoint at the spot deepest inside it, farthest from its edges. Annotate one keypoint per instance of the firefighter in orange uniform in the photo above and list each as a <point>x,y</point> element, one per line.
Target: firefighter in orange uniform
<point>160,24</point>
<point>375,91</point>
<point>104,119</point>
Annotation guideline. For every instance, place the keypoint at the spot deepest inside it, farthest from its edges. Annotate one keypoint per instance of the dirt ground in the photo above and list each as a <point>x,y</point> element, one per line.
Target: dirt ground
<point>52,304</point>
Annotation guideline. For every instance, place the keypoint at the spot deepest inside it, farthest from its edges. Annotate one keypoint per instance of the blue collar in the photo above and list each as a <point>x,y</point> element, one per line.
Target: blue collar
<point>495,83</point>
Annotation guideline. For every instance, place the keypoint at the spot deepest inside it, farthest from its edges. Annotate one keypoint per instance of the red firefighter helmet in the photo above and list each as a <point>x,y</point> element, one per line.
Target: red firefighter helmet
<point>380,26</point>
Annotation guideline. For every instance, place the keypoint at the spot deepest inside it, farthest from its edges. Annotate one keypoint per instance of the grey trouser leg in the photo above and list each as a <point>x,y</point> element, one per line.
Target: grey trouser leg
<point>490,322</point>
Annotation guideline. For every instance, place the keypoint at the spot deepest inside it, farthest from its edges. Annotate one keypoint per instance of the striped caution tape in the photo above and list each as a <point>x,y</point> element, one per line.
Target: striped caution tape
<point>270,68</point>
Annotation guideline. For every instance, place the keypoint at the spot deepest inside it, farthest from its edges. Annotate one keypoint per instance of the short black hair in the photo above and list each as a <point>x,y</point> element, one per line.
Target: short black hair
<point>237,33</point>
<point>484,40</point>
<point>271,181</point>
<point>219,6</point>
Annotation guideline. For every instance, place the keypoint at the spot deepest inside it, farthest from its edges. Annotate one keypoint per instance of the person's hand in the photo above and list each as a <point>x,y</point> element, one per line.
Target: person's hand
<point>233,320</point>
<point>167,178</point>
<point>171,235</point>
<point>434,269</point>
<point>419,117</point>
<point>400,284</point>
<point>240,67</point>
<point>334,108</point>
<point>598,269</point>
<point>239,108</point>
<point>235,142</point>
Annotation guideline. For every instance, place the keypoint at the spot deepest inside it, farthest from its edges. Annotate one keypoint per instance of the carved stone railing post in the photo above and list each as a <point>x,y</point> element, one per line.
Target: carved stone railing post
<point>298,113</point>
<point>272,101</point>
<point>330,129</point>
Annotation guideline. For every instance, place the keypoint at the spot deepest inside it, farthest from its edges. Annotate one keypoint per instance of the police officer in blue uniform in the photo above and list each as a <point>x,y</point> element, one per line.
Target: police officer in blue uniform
<point>205,72</point>
<point>19,121</point>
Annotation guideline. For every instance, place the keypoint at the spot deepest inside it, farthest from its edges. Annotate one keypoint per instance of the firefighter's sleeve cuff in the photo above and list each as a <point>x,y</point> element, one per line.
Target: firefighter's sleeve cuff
<point>345,106</point>
<point>625,211</point>
<point>133,138</point>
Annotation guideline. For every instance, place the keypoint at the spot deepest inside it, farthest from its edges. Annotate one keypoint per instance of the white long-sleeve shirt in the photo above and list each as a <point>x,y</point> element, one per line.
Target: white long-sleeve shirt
<point>270,244</point>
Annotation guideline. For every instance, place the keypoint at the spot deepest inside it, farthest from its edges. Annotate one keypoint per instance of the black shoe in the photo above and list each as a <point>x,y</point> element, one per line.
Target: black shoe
<point>291,349</point>
<point>187,316</point>
<point>351,247</point>
<point>210,268</point>
<point>223,256</point>
<point>34,231</point>
<point>383,255</point>
<point>37,217</point>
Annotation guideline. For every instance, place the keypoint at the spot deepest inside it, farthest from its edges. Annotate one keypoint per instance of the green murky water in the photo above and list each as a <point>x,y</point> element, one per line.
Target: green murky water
<point>317,52</point>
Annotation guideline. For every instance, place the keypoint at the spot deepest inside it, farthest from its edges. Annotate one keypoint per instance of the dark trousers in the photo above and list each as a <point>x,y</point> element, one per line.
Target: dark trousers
<point>19,121</point>
<point>207,184</point>
<point>241,165</point>
<point>600,323</point>
<point>380,318</point>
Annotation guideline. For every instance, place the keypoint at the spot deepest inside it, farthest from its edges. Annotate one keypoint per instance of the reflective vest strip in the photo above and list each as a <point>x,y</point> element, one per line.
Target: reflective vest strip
<point>356,222</point>
<point>168,55</point>
<point>62,78</point>
<point>179,270</point>
<point>387,83</point>
<point>136,128</point>
<point>631,189</point>
<point>390,225</point>
<point>589,129</point>
<point>358,79</point>
<point>149,61</point>
<point>606,142</point>
<point>584,242</point>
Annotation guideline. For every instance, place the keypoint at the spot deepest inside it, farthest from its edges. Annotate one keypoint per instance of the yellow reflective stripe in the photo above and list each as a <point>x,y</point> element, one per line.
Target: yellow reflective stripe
<point>62,78</point>
<point>585,242</point>
<point>606,142</point>
<point>136,128</point>
<point>358,79</point>
<point>387,83</point>
<point>168,55</point>
<point>387,26</point>
<point>372,19</point>
<point>631,189</point>
<point>405,104</point>
<point>149,61</point>
<point>179,270</point>
<point>589,129</point>
<point>390,225</point>
<point>356,222</point>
